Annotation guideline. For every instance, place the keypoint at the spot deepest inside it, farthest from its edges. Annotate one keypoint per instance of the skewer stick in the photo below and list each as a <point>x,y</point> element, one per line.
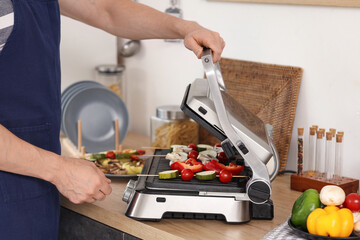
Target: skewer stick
<point>120,148</point>
<point>79,136</point>
<point>83,151</point>
<point>116,134</point>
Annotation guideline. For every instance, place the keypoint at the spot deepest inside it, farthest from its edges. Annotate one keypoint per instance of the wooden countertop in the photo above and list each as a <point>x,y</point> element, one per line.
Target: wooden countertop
<point>111,212</point>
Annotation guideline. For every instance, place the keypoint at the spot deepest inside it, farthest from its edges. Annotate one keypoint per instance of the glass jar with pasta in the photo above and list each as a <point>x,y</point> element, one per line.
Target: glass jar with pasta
<point>112,77</point>
<point>171,126</point>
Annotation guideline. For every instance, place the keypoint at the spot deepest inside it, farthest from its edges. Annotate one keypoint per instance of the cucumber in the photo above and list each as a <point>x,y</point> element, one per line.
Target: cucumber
<point>98,156</point>
<point>203,147</point>
<point>206,175</point>
<point>169,174</point>
<point>210,153</point>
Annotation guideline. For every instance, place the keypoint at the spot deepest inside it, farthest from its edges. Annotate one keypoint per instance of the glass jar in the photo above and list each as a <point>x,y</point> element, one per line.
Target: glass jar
<point>112,77</point>
<point>171,126</point>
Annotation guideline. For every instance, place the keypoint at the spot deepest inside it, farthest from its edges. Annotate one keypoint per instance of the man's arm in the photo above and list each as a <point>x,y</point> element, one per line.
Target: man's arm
<point>125,18</point>
<point>76,179</point>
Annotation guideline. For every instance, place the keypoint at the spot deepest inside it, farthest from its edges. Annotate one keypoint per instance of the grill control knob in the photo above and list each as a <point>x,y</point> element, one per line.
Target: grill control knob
<point>129,190</point>
<point>259,192</point>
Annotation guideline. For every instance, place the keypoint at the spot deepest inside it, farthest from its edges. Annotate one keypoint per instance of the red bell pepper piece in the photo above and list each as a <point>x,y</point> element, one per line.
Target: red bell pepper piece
<point>191,164</point>
<point>214,165</point>
<point>234,168</point>
<point>176,166</point>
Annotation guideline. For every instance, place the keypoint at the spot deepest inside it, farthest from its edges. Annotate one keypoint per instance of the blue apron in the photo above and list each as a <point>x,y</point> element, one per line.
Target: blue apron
<point>30,108</point>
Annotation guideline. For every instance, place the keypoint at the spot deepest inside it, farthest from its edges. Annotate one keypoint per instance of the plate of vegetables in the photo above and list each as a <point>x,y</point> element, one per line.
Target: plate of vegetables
<point>203,162</point>
<point>124,164</point>
<point>328,215</point>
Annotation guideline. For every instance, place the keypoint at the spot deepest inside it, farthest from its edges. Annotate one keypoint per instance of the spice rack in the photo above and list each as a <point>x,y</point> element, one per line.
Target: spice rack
<point>324,162</point>
<point>307,180</point>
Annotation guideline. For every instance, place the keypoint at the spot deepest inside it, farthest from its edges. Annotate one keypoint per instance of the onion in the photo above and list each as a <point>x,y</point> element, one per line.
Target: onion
<point>332,195</point>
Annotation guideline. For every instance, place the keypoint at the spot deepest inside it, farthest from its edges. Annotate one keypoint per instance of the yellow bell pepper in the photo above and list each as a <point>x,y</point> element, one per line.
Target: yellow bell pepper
<point>330,221</point>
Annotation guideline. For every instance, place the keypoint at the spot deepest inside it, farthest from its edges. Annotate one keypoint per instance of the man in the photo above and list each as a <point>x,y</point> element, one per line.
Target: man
<point>31,171</point>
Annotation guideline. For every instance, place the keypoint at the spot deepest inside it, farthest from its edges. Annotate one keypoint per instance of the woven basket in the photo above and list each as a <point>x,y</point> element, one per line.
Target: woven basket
<point>269,91</point>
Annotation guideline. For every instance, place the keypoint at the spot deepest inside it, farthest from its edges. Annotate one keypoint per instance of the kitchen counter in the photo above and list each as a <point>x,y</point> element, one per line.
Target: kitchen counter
<point>111,212</point>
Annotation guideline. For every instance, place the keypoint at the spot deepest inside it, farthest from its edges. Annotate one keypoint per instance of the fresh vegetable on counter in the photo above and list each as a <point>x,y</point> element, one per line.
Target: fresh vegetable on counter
<point>303,206</point>
<point>332,195</point>
<point>352,202</point>
<point>330,221</point>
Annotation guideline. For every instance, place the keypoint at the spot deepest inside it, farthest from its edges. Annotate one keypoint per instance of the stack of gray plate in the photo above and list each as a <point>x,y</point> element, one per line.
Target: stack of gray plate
<point>97,107</point>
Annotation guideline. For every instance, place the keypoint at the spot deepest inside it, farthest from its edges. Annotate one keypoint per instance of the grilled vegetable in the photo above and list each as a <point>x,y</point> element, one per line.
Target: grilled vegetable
<point>214,165</point>
<point>225,176</point>
<point>234,168</point>
<point>187,174</point>
<point>179,148</point>
<point>206,175</point>
<point>191,164</point>
<point>204,147</point>
<point>210,153</point>
<point>169,174</point>
<point>174,157</point>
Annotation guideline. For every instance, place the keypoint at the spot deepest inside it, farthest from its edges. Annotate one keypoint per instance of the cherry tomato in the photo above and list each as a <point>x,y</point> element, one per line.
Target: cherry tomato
<point>352,202</point>
<point>193,154</point>
<point>225,176</point>
<point>134,157</point>
<point>222,157</point>
<point>141,152</point>
<point>110,154</point>
<point>187,174</point>
<point>218,145</point>
<point>193,146</point>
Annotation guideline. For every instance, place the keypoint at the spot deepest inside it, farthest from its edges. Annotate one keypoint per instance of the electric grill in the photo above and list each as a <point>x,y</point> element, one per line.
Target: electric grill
<point>244,137</point>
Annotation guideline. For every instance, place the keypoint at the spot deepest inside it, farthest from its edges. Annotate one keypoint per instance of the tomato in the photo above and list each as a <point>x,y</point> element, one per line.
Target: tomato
<point>225,176</point>
<point>193,154</point>
<point>352,202</point>
<point>187,174</point>
<point>134,157</point>
<point>141,152</point>
<point>217,145</point>
<point>234,168</point>
<point>222,157</point>
<point>110,154</point>
<point>193,146</point>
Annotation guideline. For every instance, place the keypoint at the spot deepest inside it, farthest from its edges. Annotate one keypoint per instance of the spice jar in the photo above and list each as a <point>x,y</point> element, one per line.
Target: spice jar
<point>112,77</point>
<point>171,126</point>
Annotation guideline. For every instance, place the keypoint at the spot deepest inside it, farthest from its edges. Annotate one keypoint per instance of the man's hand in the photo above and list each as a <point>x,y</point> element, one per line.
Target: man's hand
<point>81,181</point>
<point>198,39</point>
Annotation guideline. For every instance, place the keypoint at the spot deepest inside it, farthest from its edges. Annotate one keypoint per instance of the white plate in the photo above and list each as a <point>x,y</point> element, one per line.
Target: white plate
<point>97,108</point>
